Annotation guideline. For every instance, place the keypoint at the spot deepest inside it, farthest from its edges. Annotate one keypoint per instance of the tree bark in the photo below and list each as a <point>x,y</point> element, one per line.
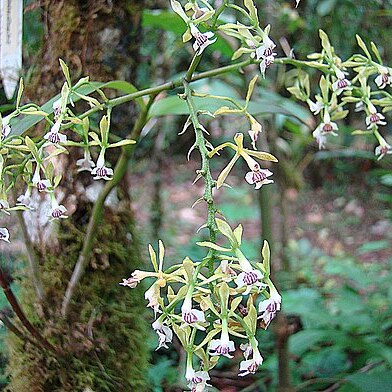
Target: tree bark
<point>102,341</point>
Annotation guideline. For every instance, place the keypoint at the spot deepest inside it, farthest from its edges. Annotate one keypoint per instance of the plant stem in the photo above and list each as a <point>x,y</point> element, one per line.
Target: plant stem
<point>15,330</point>
<point>171,85</point>
<point>205,171</point>
<point>97,212</point>
<point>19,312</point>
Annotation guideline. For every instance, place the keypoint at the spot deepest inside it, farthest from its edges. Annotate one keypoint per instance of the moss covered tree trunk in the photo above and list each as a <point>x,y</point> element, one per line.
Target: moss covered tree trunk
<point>102,340</point>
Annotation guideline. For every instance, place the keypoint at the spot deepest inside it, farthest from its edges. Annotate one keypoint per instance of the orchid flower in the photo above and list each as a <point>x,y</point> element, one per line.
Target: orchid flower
<point>101,171</point>
<point>54,136</point>
<point>374,118</point>
<point>165,334</point>
<point>341,83</point>
<point>4,234</point>
<point>57,210</point>
<point>240,151</point>
<point>269,307</point>
<point>192,316</point>
<point>384,78</point>
<point>202,40</point>
<point>382,150</point>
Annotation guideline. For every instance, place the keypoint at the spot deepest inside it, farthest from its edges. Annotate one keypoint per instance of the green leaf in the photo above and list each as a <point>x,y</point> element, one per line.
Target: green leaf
<point>238,234</point>
<point>225,172</point>
<point>266,253</point>
<point>250,89</point>
<point>124,142</point>
<point>226,230</point>
<point>363,46</point>
<point>211,245</point>
<point>325,43</point>
<point>20,92</point>
<point>252,10</point>
<point>65,70</point>
<point>307,340</point>
<point>153,257</point>
<point>373,382</point>
<point>326,7</point>
<point>164,20</point>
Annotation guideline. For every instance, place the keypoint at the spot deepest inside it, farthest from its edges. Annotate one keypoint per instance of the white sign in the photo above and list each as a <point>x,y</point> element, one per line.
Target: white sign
<point>11,21</point>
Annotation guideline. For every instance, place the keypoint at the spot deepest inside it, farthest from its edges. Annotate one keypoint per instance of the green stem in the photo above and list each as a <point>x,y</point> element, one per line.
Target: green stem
<point>205,171</point>
<point>97,213</point>
<point>22,317</point>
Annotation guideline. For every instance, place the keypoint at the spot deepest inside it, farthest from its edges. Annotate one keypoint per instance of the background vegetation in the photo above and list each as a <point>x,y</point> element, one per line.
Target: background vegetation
<point>328,213</point>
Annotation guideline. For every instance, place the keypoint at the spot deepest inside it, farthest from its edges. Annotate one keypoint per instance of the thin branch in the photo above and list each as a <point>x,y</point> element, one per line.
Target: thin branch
<point>19,312</point>
<point>9,325</point>
<point>97,212</point>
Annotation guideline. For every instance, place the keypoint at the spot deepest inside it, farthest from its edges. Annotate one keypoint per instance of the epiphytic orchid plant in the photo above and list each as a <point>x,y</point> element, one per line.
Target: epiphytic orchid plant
<point>213,304</point>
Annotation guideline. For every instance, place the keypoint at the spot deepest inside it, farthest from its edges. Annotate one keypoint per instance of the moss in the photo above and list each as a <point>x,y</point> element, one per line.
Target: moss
<point>104,339</point>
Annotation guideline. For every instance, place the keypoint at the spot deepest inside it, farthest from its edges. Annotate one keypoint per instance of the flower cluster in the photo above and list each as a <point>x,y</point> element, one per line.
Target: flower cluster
<point>186,302</point>
<point>35,158</point>
<point>336,91</point>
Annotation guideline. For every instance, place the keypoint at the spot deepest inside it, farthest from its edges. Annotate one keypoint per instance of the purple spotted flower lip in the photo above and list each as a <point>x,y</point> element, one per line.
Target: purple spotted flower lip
<point>223,346</point>
<point>4,234</point>
<point>58,212</point>
<point>258,177</point>
<point>56,108</point>
<point>250,279</point>
<point>327,127</point>
<point>266,54</point>
<point>197,380</point>
<point>250,366</point>
<point>341,83</point>
<point>54,136</point>
<point>202,40</point>
<point>382,150</point>
<point>375,119</point>
<point>102,172</point>
<point>192,316</point>
<point>269,307</point>
<point>42,185</point>
<point>384,78</point>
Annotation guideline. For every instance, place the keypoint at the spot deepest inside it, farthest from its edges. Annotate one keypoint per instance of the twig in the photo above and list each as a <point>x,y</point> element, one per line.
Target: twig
<point>19,312</point>
<point>9,325</point>
<point>97,212</point>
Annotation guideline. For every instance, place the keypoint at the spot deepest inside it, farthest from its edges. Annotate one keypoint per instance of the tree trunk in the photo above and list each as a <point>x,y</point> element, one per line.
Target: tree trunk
<point>102,341</point>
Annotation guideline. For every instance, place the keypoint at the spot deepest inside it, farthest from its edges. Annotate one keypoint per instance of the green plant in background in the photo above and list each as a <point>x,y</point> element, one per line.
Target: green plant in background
<point>199,301</point>
<point>345,318</point>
